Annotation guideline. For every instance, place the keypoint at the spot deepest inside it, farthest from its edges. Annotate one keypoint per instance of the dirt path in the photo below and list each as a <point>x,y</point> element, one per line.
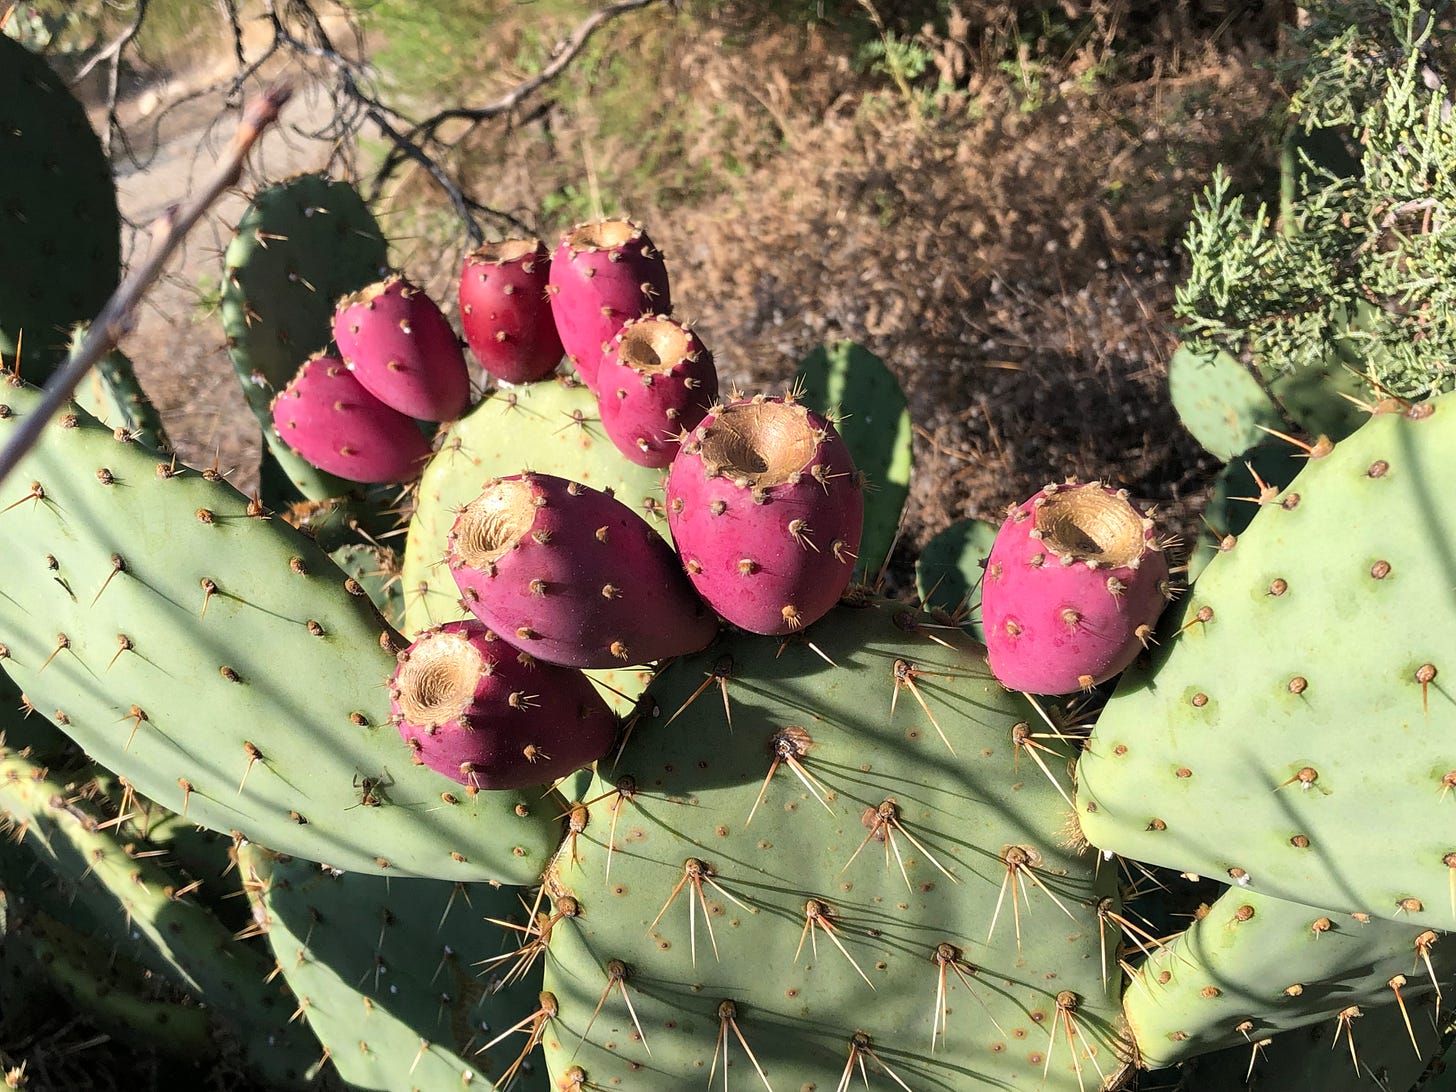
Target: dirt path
<point>178,347</point>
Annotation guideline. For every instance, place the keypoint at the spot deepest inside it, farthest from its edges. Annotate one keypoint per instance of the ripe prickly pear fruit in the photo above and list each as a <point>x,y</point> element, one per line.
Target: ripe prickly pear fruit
<point>573,576</point>
<point>657,383</point>
<point>489,716</point>
<point>1074,585</point>
<point>766,507</point>
<point>401,347</point>
<point>327,418</point>
<point>603,274</point>
<point>505,312</point>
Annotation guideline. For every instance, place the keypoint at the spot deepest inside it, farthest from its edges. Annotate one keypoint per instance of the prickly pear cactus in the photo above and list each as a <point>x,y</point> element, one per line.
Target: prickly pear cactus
<point>551,427</point>
<point>950,569</point>
<point>119,891</point>
<point>1259,743</point>
<point>1368,1053</point>
<point>797,871</point>
<point>58,211</point>
<point>219,660</point>
<point>1254,966</point>
<point>865,400</point>
<point>113,396</point>
<point>1220,401</point>
<point>299,246</point>
<point>397,977</point>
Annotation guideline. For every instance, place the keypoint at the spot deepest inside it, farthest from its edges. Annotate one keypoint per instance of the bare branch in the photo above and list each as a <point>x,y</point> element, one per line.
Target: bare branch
<point>562,55</point>
<point>119,313</point>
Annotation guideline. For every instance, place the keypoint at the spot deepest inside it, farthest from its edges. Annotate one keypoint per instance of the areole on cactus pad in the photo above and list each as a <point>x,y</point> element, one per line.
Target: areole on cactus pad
<point>1075,582</point>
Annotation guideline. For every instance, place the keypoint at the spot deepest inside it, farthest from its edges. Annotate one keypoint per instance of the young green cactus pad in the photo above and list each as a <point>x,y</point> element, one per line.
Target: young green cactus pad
<point>766,507</point>
<point>395,977</point>
<point>59,210</point>
<point>488,716</point>
<point>1259,745</point>
<point>573,576</point>
<point>300,245</point>
<point>1255,966</point>
<point>950,569</point>
<point>1074,584</point>
<point>1220,401</point>
<point>854,388</point>
<point>219,661</point>
<point>825,853</point>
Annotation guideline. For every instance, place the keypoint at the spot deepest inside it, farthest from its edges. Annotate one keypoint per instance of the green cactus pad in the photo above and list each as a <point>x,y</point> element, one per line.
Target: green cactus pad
<point>821,918</point>
<point>57,214</point>
<point>299,246</point>
<point>1294,724</point>
<point>1236,496</point>
<point>376,568</point>
<point>949,570</point>
<point>1318,398</point>
<point>851,383</point>
<point>388,977</point>
<point>112,394</point>
<point>121,892</point>
<point>551,427</point>
<point>1317,1058</point>
<point>224,665</point>
<point>111,991</point>
<point>1220,401</point>
<point>1255,966</point>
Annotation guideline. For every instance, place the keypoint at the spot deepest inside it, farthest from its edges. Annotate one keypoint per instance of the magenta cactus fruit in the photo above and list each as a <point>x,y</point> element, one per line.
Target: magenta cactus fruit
<point>402,348</point>
<point>328,419</point>
<point>603,274</point>
<point>505,312</point>
<point>766,507</point>
<point>573,576</point>
<point>655,385</point>
<point>1074,585</point>
<point>487,715</point>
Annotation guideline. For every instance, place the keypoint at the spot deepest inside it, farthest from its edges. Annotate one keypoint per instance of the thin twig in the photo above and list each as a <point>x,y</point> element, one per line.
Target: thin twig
<point>561,56</point>
<point>119,314</point>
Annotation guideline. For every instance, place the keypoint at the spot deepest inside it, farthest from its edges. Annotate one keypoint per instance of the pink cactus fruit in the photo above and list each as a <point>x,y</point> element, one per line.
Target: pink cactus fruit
<point>656,384</point>
<point>328,419</point>
<point>505,312</point>
<point>766,507</point>
<point>573,576</point>
<point>485,714</point>
<point>403,349</point>
<point>1074,585</point>
<point>603,274</point>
